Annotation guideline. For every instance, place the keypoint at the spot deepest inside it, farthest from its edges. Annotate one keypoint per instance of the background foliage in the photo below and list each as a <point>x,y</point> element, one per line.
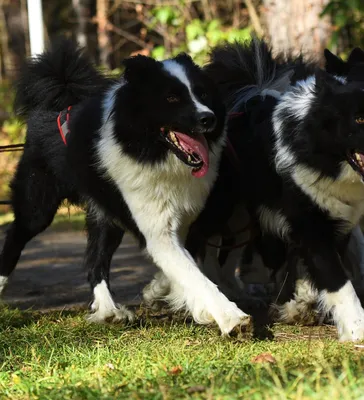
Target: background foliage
<point>114,29</point>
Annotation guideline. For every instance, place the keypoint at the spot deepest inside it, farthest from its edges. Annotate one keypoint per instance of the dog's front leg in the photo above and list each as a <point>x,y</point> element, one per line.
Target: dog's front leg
<point>190,288</point>
<point>337,294</point>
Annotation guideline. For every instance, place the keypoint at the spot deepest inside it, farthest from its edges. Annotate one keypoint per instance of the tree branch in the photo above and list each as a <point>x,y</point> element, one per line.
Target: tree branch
<point>254,17</point>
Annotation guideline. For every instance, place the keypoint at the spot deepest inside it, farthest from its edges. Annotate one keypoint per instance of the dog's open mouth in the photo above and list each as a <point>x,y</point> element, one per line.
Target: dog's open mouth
<point>193,151</point>
<point>356,160</point>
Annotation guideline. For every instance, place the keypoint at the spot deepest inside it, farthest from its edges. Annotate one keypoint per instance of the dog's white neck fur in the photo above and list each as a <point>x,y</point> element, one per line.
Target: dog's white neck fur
<point>297,102</point>
<point>342,197</point>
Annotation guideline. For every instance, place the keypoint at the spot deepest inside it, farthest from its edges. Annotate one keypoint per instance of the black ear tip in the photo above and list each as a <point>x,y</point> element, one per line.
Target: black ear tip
<point>356,55</point>
<point>184,57</point>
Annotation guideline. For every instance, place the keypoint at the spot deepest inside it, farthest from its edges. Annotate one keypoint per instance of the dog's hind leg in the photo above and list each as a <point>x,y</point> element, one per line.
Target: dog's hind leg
<point>103,239</point>
<point>336,292</point>
<point>35,200</point>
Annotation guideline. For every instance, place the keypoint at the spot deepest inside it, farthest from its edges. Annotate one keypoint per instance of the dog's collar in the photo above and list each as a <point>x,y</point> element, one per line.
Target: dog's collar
<point>63,120</point>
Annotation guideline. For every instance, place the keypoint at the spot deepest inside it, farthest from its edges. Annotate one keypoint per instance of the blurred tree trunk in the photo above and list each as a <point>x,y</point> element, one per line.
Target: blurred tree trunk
<point>83,14</point>
<point>13,36</point>
<point>103,39</point>
<point>296,25</point>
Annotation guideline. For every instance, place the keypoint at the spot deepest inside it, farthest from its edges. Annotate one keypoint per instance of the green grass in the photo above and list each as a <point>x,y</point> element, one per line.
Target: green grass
<point>58,355</point>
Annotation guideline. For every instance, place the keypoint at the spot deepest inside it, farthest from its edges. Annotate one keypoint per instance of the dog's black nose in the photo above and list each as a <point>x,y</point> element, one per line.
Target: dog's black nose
<point>207,120</point>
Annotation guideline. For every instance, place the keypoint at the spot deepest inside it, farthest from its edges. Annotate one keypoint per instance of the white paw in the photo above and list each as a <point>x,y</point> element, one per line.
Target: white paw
<point>294,312</point>
<point>233,318</point>
<point>346,311</point>
<point>3,283</point>
<point>117,313</point>
<point>209,308</point>
<point>156,291</point>
<point>303,308</point>
<point>104,308</point>
<point>353,332</point>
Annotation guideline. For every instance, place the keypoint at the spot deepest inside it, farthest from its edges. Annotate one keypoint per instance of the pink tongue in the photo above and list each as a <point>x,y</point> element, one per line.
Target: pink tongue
<point>196,145</point>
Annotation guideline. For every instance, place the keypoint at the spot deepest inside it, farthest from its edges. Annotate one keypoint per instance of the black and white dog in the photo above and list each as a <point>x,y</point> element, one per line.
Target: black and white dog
<point>302,156</point>
<point>302,306</point>
<point>141,153</point>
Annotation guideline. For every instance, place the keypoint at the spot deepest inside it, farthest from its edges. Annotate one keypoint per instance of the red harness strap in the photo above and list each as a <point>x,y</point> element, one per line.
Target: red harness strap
<point>63,126</point>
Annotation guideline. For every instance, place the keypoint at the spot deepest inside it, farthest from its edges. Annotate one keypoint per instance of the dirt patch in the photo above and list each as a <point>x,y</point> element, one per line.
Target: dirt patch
<point>50,273</point>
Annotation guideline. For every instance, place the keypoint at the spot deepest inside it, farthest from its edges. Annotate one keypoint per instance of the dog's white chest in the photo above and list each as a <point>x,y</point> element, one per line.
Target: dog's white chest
<point>156,194</point>
<point>342,198</point>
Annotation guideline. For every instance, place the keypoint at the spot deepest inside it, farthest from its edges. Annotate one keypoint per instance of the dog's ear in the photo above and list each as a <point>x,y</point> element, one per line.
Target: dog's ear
<point>185,59</point>
<point>139,68</point>
<point>356,56</point>
<point>334,64</point>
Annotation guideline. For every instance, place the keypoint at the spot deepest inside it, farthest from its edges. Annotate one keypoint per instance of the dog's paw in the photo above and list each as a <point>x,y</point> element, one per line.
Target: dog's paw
<point>3,283</point>
<point>225,313</point>
<point>156,291</point>
<point>353,332</point>
<point>233,319</point>
<point>116,314</point>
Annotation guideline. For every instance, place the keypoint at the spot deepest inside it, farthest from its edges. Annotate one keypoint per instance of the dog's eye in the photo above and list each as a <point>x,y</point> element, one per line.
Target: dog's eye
<point>200,92</point>
<point>172,99</point>
<point>359,120</point>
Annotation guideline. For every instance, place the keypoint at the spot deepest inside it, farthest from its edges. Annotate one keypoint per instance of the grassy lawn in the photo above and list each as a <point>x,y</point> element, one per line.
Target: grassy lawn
<point>58,355</point>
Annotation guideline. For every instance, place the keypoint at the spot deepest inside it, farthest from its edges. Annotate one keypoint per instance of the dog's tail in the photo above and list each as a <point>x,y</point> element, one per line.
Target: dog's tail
<point>244,70</point>
<point>60,77</point>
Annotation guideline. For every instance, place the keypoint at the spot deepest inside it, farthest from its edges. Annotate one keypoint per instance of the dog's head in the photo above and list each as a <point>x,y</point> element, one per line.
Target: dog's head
<point>350,99</point>
<point>335,122</point>
<point>321,124</point>
<point>352,69</point>
<point>172,107</point>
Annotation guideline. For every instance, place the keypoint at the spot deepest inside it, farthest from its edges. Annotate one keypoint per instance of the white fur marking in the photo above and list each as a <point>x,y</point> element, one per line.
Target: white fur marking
<point>341,79</point>
<point>103,306</point>
<point>301,309</point>
<point>342,197</point>
<point>177,70</point>
<point>273,221</point>
<point>297,103</point>
<point>346,312</point>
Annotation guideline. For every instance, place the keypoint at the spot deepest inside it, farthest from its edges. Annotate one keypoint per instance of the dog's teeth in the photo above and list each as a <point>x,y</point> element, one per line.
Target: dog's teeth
<point>359,160</point>
<point>174,139</point>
